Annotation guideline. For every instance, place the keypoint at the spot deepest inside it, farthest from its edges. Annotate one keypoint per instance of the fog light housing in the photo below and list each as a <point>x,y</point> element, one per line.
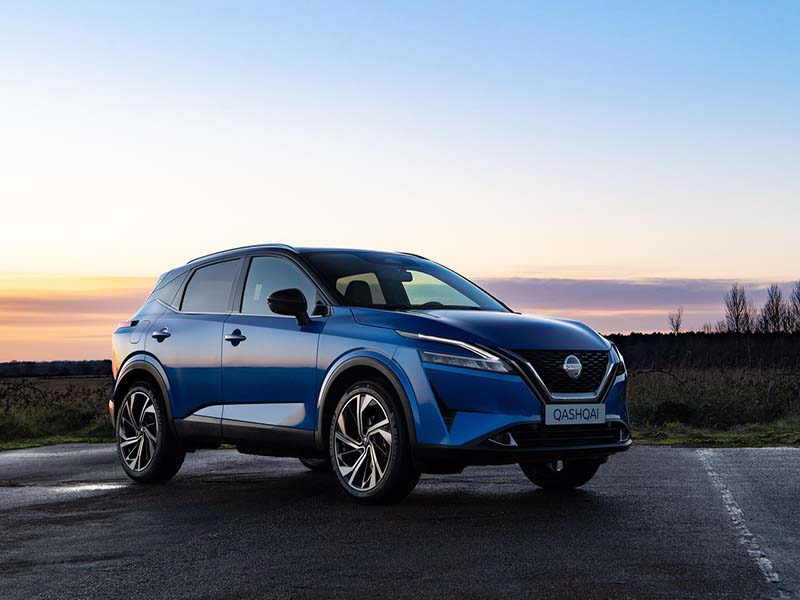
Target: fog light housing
<point>504,439</point>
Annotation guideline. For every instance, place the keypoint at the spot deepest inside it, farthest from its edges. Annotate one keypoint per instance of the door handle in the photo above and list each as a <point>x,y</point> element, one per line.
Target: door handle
<point>235,337</point>
<point>161,334</point>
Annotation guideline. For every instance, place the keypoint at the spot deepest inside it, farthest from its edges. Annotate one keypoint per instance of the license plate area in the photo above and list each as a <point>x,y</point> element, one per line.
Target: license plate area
<point>575,414</point>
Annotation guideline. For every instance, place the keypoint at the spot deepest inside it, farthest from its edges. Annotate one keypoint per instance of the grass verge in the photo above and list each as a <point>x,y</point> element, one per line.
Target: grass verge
<point>51,440</point>
<point>745,436</point>
<point>756,436</point>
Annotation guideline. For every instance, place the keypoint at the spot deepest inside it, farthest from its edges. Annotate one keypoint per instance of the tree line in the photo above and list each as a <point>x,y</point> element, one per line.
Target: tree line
<point>779,314</point>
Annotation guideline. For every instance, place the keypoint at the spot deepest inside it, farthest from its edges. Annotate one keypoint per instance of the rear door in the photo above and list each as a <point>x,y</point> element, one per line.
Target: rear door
<point>269,378</point>
<point>187,339</point>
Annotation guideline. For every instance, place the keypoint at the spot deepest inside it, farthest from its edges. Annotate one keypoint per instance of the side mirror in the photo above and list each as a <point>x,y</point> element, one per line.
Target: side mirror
<point>289,302</point>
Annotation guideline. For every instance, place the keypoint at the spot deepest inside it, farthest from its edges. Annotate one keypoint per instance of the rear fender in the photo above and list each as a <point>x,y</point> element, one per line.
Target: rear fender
<point>137,363</point>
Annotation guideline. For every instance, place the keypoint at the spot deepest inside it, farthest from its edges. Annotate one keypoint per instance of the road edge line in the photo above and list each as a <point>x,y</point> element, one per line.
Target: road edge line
<point>746,537</point>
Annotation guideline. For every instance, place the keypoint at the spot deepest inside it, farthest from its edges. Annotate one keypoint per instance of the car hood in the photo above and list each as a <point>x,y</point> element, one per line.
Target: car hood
<point>499,329</point>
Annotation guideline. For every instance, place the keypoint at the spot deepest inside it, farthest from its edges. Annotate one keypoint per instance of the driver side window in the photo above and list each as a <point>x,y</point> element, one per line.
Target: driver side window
<point>268,274</point>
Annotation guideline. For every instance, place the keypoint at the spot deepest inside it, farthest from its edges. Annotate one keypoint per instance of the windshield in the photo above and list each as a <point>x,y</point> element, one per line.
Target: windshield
<point>397,282</point>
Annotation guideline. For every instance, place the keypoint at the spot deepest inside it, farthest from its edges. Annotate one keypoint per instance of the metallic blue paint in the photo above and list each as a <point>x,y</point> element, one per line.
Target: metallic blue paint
<point>277,363</point>
<point>493,328</point>
<point>191,358</point>
<point>282,373</point>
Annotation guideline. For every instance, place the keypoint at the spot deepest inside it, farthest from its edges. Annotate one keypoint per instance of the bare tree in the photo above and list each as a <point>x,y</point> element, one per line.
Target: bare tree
<point>772,318</point>
<point>676,320</point>
<point>750,318</point>
<point>737,310</point>
<point>794,307</point>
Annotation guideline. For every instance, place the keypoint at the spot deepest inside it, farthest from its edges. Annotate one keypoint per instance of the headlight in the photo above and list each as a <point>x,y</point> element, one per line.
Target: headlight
<point>483,360</point>
<point>621,369</point>
<point>497,365</point>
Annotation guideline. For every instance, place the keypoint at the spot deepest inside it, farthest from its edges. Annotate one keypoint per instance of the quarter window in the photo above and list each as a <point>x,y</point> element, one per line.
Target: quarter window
<point>167,291</point>
<point>269,274</point>
<point>209,289</point>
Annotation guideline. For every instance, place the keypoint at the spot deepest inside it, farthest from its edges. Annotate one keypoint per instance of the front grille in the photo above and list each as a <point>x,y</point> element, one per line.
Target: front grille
<point>559,436</point>
<point>549,364</point>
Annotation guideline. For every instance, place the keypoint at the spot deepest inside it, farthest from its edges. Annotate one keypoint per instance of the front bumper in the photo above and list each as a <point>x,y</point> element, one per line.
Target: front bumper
<point>447,459</point>
<point>527,443</point>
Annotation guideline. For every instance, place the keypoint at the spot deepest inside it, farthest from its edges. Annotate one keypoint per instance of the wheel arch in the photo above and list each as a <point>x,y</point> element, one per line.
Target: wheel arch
<point>143,367</point>
<point>346,373</point>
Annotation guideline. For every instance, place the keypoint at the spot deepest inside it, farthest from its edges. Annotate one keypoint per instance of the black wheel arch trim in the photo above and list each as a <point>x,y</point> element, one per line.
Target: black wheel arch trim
<point>149,364</point>
<point>387,372</point>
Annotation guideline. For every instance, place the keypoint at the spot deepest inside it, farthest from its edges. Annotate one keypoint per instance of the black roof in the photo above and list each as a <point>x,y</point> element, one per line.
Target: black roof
<point>284,247</point>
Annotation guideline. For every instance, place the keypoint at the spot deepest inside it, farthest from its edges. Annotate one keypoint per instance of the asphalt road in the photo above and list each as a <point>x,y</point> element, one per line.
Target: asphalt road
<point>655,523</point>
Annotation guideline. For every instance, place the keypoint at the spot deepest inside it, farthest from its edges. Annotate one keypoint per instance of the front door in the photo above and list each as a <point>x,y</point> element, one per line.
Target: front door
<point>269,361</point>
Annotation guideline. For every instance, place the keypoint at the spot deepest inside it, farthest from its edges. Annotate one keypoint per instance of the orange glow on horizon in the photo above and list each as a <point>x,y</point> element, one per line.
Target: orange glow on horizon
<point>56,317</point>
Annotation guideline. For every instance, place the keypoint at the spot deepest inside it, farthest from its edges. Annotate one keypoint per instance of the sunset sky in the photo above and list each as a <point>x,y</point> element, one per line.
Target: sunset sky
<point>605,161</point>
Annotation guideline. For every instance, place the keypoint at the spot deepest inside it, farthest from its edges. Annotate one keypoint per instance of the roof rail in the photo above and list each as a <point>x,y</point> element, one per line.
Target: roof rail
<point>284,246</point>
<point>414,255</point>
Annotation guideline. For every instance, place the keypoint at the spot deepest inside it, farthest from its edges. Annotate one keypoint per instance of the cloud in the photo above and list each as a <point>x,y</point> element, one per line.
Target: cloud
<point>621,305</point>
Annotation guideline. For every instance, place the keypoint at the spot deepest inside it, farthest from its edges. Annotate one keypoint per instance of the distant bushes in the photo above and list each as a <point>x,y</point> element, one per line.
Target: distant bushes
<point>56,368</point>
<point>715,381</point>
<point>643,351</point>
<point>713,398</point>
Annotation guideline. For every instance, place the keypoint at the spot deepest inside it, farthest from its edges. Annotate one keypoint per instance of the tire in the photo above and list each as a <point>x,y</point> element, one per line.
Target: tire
<point>372,462</point>
<point>320,465</point>
<point>570,475</point>
<point>147,449</point>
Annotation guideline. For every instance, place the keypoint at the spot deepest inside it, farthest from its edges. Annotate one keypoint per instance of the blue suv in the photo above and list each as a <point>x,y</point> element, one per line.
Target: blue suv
<point>377,366</point>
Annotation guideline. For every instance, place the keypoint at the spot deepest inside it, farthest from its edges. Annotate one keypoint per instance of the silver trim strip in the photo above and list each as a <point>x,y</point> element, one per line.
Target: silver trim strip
<point>284,414</point>
<point>214,411</point>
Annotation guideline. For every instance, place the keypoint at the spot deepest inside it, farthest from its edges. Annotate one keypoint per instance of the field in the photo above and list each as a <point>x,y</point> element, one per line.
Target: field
<point>53,408</point>
<point>693,389</point>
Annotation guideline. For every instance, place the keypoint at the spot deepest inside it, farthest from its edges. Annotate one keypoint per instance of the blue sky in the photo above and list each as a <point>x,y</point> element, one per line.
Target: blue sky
<point>614,141</point>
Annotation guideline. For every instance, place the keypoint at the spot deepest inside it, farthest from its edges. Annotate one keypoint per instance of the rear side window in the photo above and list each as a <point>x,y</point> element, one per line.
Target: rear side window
<point>209,289</point>
<point>269,274</point>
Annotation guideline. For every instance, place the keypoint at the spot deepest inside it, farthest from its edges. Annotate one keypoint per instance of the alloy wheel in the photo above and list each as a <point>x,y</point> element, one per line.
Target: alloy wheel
<point>138,431</point>
<point>363,442</point>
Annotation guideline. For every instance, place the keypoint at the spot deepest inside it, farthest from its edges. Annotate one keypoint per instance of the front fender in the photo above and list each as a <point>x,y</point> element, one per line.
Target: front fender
<point>384,365</point>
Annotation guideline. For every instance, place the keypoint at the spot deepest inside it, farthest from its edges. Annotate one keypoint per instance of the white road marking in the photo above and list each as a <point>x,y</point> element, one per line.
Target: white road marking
<point>746,538</point>
<point>82,488</point>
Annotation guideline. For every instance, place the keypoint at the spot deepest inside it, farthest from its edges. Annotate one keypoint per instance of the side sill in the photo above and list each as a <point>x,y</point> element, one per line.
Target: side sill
<point>269,440</point>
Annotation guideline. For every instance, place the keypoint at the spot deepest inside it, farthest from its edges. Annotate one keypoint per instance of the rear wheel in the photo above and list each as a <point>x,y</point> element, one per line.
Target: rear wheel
<point>322,465</point>
<point>147,449</point>
<point>369,446</point>
<point>560,474</point>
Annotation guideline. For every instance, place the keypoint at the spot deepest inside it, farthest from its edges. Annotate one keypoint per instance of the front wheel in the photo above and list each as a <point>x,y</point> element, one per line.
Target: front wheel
<point>560,474</point>
<point>369,446</point>
<point>147,449</point>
